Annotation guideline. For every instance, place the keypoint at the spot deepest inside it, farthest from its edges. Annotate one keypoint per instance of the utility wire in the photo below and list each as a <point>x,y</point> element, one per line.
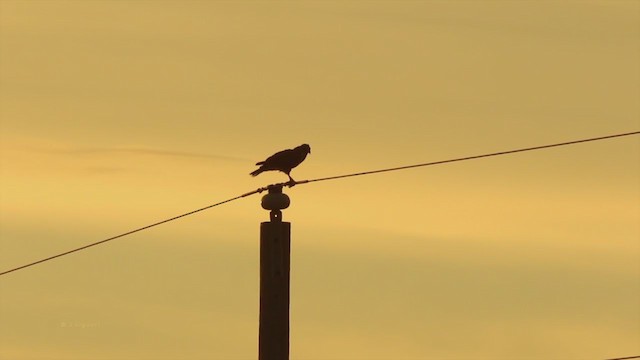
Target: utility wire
<point>468,158</point>
<point>290,184</point>
<point>127,233</point>
<point>625,358</point>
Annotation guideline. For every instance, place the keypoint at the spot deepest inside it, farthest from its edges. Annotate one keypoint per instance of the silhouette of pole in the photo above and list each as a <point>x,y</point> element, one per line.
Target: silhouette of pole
<point>275,247</point>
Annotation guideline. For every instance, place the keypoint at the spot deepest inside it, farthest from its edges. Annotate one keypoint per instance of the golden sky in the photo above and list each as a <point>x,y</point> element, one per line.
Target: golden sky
<point>117,114</point>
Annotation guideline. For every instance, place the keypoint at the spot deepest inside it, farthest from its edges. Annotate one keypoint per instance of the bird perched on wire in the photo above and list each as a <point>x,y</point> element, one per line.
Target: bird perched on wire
<point>284,161</point>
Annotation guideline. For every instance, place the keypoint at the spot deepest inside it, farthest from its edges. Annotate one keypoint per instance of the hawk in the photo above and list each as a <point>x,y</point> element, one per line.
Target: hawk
<point>284,160</point>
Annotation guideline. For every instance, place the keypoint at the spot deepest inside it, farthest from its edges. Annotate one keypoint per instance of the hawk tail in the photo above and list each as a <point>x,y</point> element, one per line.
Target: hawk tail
<point>255,173</point>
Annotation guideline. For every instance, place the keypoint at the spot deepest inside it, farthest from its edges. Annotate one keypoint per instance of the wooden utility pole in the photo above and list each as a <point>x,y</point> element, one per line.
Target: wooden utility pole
<point>275,247</point>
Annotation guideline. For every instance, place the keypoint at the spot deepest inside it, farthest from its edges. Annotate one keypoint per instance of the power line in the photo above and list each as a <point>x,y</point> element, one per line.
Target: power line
<point>625,358</point>
<point>127,233</point>
<point>469,157</point>
<point>323,179</point>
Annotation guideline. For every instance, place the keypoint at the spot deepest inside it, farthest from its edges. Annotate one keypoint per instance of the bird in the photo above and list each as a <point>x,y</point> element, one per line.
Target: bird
<point>284,161</point>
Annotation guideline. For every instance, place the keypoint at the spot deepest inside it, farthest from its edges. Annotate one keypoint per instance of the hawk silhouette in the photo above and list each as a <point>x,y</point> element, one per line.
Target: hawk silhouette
<point>284,160</point>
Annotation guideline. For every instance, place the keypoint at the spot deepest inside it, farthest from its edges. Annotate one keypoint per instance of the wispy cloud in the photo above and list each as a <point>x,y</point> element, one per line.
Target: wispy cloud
<point>102,170</point>
<point>140,151</point>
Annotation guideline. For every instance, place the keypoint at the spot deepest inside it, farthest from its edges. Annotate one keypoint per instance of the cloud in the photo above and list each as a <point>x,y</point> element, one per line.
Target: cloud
<point>100,170</point>
<point>141,151</point>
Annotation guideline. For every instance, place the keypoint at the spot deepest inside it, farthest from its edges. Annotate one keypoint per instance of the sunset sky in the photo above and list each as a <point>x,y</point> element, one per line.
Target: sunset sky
<point>118,114</point>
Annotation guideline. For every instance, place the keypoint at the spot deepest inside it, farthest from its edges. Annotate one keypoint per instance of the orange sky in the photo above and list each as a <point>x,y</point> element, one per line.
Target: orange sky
<point>117,114</point>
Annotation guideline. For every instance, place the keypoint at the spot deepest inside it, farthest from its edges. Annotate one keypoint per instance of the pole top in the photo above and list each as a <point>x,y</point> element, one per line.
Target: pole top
<point>275,201</point>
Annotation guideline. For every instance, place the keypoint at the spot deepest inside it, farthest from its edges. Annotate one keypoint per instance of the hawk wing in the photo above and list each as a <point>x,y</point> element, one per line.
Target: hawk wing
<point>279,160</point>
